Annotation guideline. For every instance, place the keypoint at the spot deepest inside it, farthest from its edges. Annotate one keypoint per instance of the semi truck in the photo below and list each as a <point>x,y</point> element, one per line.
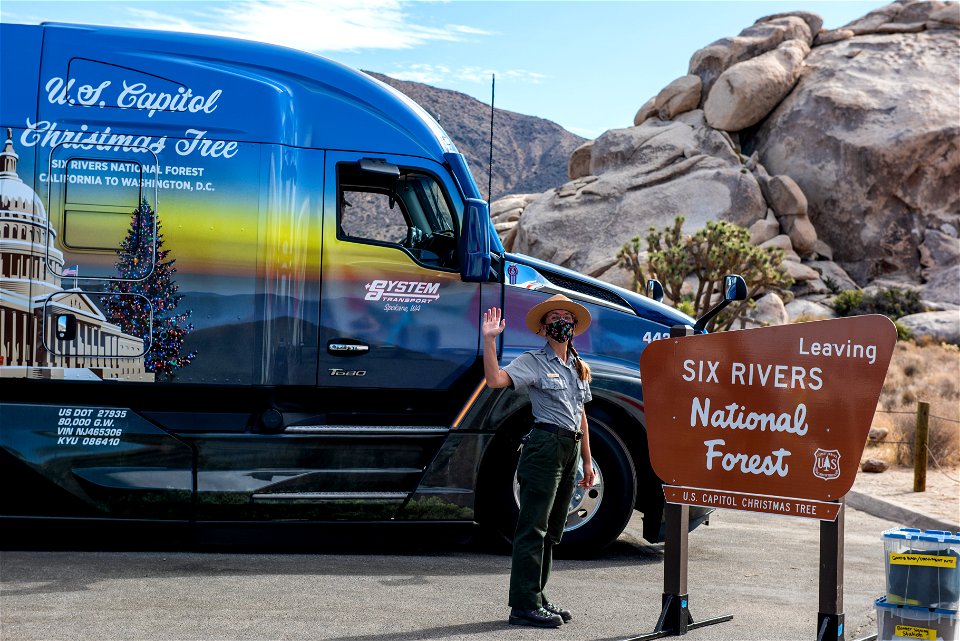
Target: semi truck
<point>242,284</point>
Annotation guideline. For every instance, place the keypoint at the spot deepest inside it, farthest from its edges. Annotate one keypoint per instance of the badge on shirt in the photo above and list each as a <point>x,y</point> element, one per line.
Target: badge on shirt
<point>552,375</point>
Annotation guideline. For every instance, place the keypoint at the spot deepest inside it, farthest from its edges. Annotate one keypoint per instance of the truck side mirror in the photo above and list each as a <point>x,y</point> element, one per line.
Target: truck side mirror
<point>66,327</point>
<point>734,288</point>
<point>474,246</point>
<point>655,290</point>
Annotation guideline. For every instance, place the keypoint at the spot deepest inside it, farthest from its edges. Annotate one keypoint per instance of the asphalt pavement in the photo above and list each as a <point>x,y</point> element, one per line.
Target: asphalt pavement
<point>762,569</point>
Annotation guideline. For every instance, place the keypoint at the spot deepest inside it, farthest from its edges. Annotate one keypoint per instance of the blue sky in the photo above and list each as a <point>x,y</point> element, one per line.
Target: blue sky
<point>585,65</point>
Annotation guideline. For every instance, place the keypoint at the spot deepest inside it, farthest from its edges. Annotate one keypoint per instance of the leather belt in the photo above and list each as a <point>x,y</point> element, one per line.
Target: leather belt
<point>556,429</point>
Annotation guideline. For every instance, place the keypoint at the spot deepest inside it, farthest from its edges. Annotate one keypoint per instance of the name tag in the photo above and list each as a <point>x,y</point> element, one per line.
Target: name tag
<point>552,375</point>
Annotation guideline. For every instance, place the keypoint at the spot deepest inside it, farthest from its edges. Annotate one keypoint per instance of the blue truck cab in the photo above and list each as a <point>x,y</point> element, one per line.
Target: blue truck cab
<point>244,284</point>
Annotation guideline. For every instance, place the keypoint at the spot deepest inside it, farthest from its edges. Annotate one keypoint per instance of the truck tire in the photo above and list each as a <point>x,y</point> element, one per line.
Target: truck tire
<point>597,516</point>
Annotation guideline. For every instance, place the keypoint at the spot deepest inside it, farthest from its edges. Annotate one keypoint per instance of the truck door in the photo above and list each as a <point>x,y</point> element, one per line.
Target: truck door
<point>398,357</point>
<point>394,311</point>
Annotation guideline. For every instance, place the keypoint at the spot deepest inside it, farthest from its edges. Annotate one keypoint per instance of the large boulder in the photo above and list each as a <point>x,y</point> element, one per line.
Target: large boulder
<point>834,35</point>
<point>680,96</point>
<point>780,241</point>
<point>943,286</point>
<point>767,310</point>
<point>906,16</point>
<point>798,271</point>
<point>642,177</point>
<point>948,14</point>
<point>763,36</point>
<point>940,260</point>
<point>746,92</point>
<point>802,233</point>
<point>790,205</point>
<point>765,229</point>
<point>871,133</point>
<point>579,164</point>
<point>942,327</point>
<point>784,195</point>
<point>805,310</point>
<point>814,22</point>
<point>647,110</point>
<point>875,19</point>
<point>505,214</point>
<point>939,250</point>
<point>509,208</point>
<point>833,275</point>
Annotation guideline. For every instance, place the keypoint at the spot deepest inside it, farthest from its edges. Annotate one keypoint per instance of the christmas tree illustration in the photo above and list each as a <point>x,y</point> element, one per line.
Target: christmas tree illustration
<point>136,255</point>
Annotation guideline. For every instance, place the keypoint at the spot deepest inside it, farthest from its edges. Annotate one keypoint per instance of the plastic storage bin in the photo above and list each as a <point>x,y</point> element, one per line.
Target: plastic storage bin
<point>898,622</point>
<point>922,568</point>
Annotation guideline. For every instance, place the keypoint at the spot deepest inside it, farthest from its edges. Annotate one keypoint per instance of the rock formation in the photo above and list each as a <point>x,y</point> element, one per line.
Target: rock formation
<point>640,177</point>
<point>840,147</point>
<point>871,134</point>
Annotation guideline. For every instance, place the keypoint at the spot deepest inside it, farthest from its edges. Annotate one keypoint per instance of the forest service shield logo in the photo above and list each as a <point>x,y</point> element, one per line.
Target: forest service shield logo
<point>826,464</point>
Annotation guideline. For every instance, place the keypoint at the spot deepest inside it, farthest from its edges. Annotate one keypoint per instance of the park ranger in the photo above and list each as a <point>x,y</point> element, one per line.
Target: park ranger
<point>559,384</point>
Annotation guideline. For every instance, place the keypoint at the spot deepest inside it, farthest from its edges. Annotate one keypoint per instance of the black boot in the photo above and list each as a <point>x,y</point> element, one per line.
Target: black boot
<point>537,617</point>
<point>566,615</point>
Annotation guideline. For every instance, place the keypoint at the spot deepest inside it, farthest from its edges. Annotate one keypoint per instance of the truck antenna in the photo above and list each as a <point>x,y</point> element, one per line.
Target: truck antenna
<point>493,86</point>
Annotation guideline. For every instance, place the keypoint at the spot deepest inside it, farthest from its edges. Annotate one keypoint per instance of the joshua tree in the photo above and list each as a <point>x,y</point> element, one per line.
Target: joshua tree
<point>718,249</point>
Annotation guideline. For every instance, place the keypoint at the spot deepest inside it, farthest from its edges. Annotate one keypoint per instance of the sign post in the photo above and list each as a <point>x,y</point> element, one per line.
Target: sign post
<point>769,420</point>
<point>675,618</point>
<point>830,614</point>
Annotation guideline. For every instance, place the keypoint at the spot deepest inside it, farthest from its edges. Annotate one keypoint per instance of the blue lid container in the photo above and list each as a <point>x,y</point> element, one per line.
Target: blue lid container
<point>922,567</point>
<point>896,622</point>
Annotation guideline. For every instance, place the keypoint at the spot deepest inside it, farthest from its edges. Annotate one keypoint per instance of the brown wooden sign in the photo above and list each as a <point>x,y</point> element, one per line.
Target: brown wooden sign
<point>769,420</point>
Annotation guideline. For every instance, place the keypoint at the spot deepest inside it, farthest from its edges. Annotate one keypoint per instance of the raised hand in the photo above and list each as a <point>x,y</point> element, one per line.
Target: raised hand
<point>493,324</point>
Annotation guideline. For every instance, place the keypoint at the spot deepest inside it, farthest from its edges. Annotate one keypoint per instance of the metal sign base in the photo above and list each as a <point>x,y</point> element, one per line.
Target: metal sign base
<point>675,618</point>
<point>830,627</point>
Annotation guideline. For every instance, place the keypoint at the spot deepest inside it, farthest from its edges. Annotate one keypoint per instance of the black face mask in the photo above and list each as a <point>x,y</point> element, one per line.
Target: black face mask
<point>559,330</point>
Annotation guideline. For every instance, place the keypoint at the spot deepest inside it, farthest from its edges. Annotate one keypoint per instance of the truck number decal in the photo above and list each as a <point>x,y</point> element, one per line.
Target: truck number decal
<point>649,337</point>
<point>88,426</point>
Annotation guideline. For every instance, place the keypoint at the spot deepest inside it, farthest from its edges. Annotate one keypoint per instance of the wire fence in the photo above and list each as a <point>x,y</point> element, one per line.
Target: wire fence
<point>942,418</point>
<point>929,453</point>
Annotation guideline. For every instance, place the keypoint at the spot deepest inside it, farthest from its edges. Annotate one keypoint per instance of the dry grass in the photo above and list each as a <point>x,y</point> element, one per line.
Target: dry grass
<point>928,373</point>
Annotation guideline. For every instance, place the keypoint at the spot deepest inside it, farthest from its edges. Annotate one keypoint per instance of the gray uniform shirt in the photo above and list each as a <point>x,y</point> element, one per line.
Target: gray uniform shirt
<point>556,392</point>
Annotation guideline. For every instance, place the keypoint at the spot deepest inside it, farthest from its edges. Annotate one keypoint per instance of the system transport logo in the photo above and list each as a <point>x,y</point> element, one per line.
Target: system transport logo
<point>402,291</point>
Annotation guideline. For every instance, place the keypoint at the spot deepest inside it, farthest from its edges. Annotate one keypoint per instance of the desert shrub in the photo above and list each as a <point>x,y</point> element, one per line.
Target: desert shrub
<point>904,333</point>
<point>847,301</point>
<point>711,253</point>
<point>831,284</point>
<point>892,303</point>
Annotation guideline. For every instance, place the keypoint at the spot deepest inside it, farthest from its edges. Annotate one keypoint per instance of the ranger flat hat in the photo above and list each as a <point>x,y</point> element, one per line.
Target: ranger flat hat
<point>559,301</point>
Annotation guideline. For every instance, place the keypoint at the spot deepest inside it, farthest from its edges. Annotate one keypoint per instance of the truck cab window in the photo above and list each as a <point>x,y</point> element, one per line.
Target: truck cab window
<point>409,211</point>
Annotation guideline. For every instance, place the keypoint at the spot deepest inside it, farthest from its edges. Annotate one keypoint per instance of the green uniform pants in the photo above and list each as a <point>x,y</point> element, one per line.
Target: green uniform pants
<point>547,469</point>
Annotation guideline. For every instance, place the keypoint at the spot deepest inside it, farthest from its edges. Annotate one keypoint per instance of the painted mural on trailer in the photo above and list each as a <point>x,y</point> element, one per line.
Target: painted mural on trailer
<point>31,277</point>
<point>149,242</point>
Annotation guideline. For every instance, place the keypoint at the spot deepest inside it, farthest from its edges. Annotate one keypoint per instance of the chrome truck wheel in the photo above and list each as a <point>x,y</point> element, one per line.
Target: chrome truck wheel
<point>584,503</point>
<point>597,515</point>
